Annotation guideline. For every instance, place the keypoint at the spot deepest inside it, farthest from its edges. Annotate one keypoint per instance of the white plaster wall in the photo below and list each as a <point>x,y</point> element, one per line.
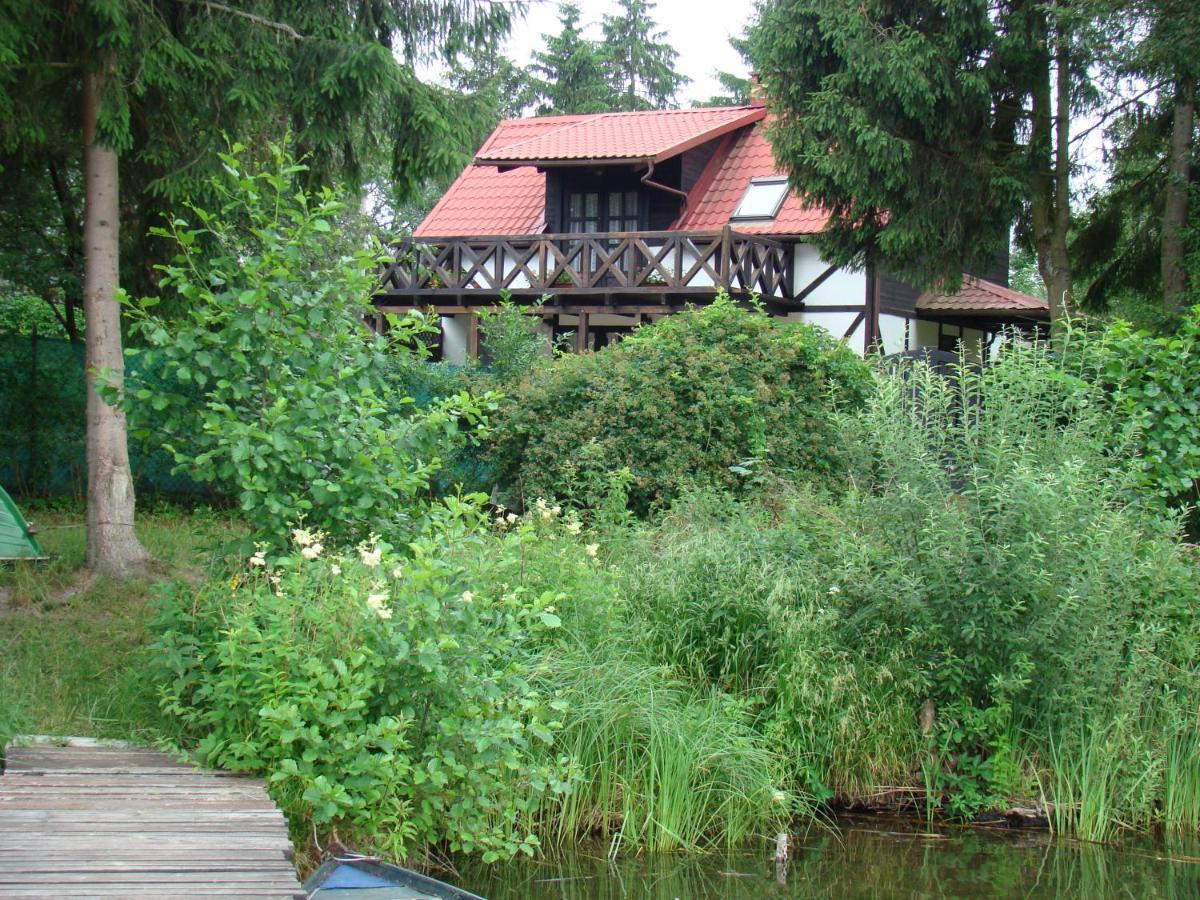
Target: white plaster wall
<point>892,333</point>
<point>842,288</point>
<point>835,323</point>
<point>522,280</point>
<point>454,339</point>
<point>924,334</point>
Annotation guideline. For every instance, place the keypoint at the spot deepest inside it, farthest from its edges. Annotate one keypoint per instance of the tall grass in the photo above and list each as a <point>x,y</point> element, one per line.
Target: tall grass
<point>657,765</point>
<point>1084,783</point>
<point>1181,778</point>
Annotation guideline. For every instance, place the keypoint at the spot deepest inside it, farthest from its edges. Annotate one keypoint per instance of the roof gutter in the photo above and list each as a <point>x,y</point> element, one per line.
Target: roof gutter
<point>662,187</point>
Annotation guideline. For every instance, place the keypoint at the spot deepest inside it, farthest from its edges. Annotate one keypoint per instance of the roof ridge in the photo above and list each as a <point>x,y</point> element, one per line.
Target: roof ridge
<point>542,135</point>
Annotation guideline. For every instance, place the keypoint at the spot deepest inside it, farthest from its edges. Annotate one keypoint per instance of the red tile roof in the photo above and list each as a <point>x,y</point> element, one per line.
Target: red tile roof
<point>717,193</point>
<point>484,201</point>
<point>632,136</point>
<point>980,298</point>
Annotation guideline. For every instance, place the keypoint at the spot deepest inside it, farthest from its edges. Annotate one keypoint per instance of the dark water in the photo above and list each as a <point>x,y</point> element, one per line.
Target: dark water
<point>865,858</point>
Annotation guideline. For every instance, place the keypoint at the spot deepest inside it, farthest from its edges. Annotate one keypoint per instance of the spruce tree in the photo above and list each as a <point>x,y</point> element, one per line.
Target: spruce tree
<point>640,63</point>
<point>926,128</point>
<point>570,71</point>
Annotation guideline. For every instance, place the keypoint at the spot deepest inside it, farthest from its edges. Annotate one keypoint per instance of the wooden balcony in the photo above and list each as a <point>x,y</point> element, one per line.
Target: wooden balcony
<point>648,267</point>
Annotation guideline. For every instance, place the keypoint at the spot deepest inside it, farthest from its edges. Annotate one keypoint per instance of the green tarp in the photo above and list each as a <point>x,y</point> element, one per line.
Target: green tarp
<point>15,540</point>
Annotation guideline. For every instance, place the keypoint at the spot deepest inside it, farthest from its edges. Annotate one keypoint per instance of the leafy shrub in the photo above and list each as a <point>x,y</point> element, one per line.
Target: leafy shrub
<point>986,558</point>
<point>269,387</point>
<point>705,397</point>
<point>1154,381</point>
<point>656,762</point>
<point>387,699</point>
<point>511,343</point>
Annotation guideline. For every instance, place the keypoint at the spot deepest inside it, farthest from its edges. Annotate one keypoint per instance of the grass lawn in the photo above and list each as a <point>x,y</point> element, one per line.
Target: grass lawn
<point>70,645</point>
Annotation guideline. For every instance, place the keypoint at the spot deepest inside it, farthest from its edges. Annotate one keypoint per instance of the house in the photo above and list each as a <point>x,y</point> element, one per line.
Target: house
<point>598,223</point>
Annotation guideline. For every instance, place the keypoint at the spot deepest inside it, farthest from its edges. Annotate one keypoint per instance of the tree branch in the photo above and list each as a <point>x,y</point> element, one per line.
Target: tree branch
<point>1112,111</point>
<point>283,27</point>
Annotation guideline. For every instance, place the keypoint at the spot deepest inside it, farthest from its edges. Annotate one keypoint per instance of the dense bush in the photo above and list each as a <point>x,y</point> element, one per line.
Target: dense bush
<point>269,387</point>
<point>387,697</point>
<point>986,563</point>
<point>657,761</point>
<point>1154,381</point>
<point>710,396</point>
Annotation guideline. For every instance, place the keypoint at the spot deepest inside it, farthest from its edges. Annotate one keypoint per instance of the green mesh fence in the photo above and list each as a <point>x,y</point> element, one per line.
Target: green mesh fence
<point>43,402</point>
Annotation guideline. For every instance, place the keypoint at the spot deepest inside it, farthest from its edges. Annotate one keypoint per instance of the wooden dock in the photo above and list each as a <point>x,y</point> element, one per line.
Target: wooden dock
<point>93,820</point>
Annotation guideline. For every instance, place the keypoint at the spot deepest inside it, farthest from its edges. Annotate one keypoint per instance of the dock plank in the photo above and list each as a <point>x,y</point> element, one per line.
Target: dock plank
<point>95,820</point>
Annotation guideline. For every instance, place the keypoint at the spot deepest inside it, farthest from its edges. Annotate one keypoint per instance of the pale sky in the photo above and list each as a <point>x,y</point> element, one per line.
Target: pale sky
<point>699,30</point>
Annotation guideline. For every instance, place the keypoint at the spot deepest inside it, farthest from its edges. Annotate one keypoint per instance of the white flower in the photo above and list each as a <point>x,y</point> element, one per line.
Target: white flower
<point>397,572</point>
<point>312,551</point>
<point>335,569</point>
<point>511,518</point>
<point>302,537</point>
<point>574,527</point>
<point>378,602</point>
<point>835,590</point>
<point>555,510</point>
<point>370,558</point>
<point>467,596</point>
<point>259,559</point>
<point>591,549</point>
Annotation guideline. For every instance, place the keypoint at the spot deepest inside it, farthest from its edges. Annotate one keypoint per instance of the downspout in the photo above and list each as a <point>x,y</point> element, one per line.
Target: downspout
<point>662,187</point>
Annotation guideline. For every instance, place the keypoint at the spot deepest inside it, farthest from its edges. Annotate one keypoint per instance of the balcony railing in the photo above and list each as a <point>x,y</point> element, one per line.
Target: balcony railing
<point>628,263</point>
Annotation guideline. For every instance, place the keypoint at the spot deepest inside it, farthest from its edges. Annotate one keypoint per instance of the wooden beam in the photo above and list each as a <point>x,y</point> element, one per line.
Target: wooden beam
<point>581,334</point>
<point>814,284</point>
<point>857,320</point>
<point>568,310</point>
<point>472,336</point>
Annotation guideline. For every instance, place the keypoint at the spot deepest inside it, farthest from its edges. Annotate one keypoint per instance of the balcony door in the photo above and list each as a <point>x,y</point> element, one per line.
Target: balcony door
<point>603,212</point>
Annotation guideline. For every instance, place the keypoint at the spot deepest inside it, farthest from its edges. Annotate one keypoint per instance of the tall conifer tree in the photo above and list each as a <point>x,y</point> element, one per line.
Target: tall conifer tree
<point>926,128</point>
<point>570,70</point>
<point>640,63</point>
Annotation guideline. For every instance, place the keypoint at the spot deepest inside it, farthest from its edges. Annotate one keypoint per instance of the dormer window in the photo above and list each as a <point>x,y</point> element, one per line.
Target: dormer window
<point>762,199</point>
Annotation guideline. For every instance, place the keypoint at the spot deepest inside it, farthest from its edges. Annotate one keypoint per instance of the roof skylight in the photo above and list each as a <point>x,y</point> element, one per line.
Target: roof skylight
<point>762,199</point>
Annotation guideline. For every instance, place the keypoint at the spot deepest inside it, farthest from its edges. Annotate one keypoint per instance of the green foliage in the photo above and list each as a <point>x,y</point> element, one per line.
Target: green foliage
<point>271,389</point>
<point>71,648</point>
<point>639,61</point>
<point>901,119</point>
<point>387,698</point>
<point>987,560</point>
<point>1154,382</point>
<point>708,396</point>
<point>23,314</point>
<point>512,344</point>
<point>657,762</point>
<point>338,79</point>
<point>570,70</point>
<point>1000,548</point>
<point>744,597</point>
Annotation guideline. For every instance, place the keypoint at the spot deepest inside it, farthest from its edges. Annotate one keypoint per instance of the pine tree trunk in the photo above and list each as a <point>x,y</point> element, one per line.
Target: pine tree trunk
<point>113,548</point>
<point>1174,277</point>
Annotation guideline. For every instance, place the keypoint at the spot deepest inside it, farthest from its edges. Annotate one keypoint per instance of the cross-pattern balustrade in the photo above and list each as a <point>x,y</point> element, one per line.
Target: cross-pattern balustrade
<point>631,262</point>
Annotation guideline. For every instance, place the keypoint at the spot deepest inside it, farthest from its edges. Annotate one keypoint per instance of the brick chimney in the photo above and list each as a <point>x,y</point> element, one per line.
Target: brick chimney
<point>758,93</point>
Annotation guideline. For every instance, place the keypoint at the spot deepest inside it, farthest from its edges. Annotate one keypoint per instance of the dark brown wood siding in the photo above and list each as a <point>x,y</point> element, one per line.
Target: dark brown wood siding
<point>554,201</point>
<point>693,163</point>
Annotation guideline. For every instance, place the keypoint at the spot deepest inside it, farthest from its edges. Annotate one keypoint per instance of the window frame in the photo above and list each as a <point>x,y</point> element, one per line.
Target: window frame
<point>761,217</point>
